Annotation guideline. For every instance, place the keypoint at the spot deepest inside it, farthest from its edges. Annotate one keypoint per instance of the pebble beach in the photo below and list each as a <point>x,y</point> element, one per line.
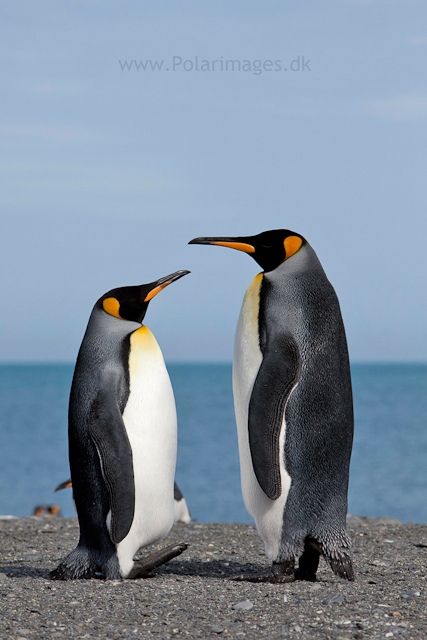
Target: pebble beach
<point>194,595</point>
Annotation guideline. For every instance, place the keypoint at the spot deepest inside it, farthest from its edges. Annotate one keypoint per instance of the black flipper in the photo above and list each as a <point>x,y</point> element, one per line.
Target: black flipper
<point>108,432</point>
<point>276,378</point>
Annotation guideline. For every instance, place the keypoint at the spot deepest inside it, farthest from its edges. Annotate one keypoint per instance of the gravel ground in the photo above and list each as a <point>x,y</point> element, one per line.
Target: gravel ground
<point>193,596</point>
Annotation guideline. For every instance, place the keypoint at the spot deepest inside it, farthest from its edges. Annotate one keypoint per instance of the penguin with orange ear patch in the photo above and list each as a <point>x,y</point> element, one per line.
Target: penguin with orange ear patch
<point>293,405</point>
<point>47,510</point>
<point>122,440</point>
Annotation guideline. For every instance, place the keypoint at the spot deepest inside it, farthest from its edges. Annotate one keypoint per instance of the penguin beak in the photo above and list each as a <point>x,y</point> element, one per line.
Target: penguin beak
<point>160,284</point>
<point>233,243</point>
<point>64,485</point>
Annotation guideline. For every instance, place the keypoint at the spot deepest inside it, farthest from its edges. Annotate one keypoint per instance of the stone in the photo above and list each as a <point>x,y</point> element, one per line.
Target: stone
<point>409,594</point>
<point>355,521</point>
<point>392,521</point>
<point>33,555</point>
<point>216,629</point>
<point>245,605</point>
<point>334,598</point>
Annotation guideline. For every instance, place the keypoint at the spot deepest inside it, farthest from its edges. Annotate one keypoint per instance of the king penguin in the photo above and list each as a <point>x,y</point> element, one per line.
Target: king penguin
<point>181,511</point>
<point>122,440</point>
<point>293,405</point>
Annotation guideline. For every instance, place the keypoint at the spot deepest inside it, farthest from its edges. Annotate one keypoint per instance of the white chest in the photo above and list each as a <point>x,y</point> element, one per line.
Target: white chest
<point>151,426</point>
<point>150,414</point>
<point>268,514</point>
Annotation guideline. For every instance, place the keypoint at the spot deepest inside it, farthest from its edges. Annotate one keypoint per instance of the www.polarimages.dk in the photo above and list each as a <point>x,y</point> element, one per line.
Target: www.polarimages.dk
<point>220,65</point>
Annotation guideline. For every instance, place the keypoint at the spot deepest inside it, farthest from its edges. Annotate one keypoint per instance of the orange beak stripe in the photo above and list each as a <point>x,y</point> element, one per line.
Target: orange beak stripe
<point>240,246</point>
<point>155,291</point>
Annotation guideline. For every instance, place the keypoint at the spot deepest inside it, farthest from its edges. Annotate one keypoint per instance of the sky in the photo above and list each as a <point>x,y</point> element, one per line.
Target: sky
<point>108,170</point>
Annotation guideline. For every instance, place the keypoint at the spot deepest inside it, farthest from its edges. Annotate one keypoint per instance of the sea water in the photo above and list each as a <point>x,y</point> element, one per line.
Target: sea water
<point>388,469</point>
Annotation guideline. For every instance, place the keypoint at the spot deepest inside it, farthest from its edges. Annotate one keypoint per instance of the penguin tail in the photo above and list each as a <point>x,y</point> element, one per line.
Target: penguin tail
<point>181,511</point>
<point>340,562</point>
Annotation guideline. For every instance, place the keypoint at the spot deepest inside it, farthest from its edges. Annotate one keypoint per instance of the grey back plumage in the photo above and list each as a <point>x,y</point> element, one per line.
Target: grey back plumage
<point>298,299</point>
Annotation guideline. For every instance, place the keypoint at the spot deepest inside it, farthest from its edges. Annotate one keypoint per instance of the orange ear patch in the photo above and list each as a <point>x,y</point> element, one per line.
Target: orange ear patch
<point>112,306</point>
<point>292,244</point>
<point>240,246</point>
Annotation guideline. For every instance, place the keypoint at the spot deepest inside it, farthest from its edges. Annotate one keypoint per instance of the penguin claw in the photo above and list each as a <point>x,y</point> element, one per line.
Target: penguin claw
<point>143,567</point>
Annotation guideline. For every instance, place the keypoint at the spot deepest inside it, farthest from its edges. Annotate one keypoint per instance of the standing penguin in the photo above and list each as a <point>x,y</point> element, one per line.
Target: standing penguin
<point>181,511</point>
<point>122,440</point>
<point>293,405</point>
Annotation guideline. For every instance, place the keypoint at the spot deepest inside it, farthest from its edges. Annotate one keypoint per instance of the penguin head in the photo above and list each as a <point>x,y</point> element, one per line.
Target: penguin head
<point>130,303</point>
<point>269,248</point>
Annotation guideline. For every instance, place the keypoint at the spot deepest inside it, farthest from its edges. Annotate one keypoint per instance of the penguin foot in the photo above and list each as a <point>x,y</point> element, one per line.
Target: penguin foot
<point>82,563</point>
<point>142,568</point>
<point>308,562</point>
<point>281,572</point>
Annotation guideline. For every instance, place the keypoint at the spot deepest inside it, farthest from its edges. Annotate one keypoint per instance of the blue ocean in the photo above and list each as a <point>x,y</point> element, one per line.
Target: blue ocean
<point>389,463</point>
